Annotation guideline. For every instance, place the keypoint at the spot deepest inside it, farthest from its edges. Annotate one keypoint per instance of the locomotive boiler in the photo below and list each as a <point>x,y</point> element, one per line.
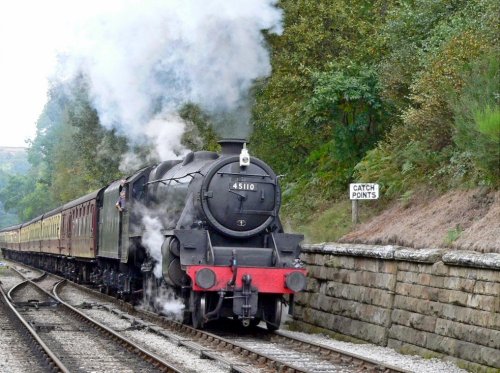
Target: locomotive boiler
<point>222,248</point>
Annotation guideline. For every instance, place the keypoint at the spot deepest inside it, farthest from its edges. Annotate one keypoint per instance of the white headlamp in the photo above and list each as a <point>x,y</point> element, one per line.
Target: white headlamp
<point>244,156</point>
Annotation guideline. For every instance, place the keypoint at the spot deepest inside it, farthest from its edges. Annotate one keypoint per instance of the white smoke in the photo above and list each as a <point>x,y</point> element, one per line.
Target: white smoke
<point>167,302</point>
<point>145,59</point>
<point>152,239</point>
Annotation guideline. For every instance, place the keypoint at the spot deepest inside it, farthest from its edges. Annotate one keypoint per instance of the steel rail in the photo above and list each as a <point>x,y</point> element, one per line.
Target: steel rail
<point>331,353</point>
<point>150,357</point>
<point>130,346</point>
<point>334,354</point>
<point>380,367</point>
<point>52,360</point>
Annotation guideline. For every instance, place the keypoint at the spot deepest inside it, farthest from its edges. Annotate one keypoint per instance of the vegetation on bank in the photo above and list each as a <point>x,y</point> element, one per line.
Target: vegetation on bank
<point>404,94</point>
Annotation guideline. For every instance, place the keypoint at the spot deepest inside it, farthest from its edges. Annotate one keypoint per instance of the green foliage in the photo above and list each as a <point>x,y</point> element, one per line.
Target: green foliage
<point>71,155</point>
<point>13,162</point>
<point>328,226</point>
<point>345,111</point>
<point>452,235</point>
<point>477,117</point>
<point>488,121</point>
<point>316,33</point>
<point>400,93</point>
<point>199,134</point>
<point>438,140</point>
<point>89,155</point>
<point>26,196</point>
<point>366,90</point>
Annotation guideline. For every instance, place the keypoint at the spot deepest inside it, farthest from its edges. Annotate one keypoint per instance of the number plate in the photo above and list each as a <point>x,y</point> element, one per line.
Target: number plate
<point>243,185</point>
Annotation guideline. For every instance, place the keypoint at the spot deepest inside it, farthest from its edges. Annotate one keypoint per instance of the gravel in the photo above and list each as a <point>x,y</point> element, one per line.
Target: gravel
<point>15,354</point>
<point>150,340</point>
<point>162,346</point>
<point>9,278</point>
<point>383,354</point>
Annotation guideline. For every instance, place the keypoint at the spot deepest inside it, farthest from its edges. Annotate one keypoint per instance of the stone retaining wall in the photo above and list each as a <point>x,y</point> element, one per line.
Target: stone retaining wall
<point>431,302</point>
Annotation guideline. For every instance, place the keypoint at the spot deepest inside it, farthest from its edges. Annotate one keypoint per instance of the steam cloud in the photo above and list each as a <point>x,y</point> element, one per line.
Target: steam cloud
<point>146,59</point>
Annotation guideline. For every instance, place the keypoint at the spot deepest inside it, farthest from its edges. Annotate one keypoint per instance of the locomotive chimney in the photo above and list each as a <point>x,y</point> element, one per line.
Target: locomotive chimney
<point>231,146</point>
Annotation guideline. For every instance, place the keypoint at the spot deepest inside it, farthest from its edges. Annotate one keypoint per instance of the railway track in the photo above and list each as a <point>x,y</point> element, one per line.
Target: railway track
<point>70,341</point>
<point>242,351</point>
<point>235,349</point>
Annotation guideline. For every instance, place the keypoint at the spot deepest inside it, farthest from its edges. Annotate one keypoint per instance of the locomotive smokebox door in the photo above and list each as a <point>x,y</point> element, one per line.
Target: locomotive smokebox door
<point>240,196</point>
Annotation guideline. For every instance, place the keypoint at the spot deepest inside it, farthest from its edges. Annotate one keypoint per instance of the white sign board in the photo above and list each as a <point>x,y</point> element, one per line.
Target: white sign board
<point>363,191</point>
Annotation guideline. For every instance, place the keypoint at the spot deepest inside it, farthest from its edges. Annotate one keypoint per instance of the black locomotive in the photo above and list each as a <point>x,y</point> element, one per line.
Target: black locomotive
<point>219,245</point>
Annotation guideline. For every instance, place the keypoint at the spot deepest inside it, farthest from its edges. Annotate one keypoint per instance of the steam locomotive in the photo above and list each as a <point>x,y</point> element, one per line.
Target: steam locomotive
<point>218,242</point>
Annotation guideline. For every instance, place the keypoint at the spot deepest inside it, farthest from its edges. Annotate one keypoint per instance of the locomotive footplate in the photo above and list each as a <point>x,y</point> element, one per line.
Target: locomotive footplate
<point>266,280</point>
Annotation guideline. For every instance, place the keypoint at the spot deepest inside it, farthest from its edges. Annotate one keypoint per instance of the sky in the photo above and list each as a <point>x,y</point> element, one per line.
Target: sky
<point>31,33</point>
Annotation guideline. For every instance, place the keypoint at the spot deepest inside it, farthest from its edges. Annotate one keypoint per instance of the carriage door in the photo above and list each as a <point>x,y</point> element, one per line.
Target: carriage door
<point>124,225</point>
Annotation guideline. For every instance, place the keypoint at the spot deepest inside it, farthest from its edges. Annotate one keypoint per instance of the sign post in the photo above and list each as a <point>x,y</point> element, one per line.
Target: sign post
<point>355,211</point>
<point>359,191</point>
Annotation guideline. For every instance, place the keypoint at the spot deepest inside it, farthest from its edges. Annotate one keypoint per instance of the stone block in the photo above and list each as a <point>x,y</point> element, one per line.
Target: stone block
<point>432,294</point>
<point>366,264</point>
<point>359,250</point>
<point>458,283</point>
<point>438,268</point>
<point>360,294</point>
<point>457,298</point>
<point>414,320</point>
<point>449,311</point>
<point>428,255</point>
<point>472,259</point>
<point>418,306</point>
<point>490,357</point>
<point>407,277</point>
<point>487,288</point>
<point>475,273</point>
<point>408,266</point>
<point>312,248</point>
<point>418,291</point>
<point>302,298</point>
<point>409,335</point>
<point>307,258</point>
<point>463,350</point>
<point>358,329</point>
<point>354,310</point>
<point>387,266</point>
<point>424,279</point>
<point>437,281</point>
<point>369,279</point>
<point>468,333</point>
<point>434,342</point>
<point>341,275</point>
<point>312,285</point>
<point>298,312</point>
<point>313,271</point>
<point>483,302</point>
<point>471,316</point>
<point>346,262</point>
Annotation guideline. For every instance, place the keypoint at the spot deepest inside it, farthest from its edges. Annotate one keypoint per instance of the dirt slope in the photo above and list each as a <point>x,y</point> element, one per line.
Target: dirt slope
<point>468,220</point>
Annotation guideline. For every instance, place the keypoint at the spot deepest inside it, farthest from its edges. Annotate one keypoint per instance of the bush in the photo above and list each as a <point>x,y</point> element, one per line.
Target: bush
<point>477,117</point>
